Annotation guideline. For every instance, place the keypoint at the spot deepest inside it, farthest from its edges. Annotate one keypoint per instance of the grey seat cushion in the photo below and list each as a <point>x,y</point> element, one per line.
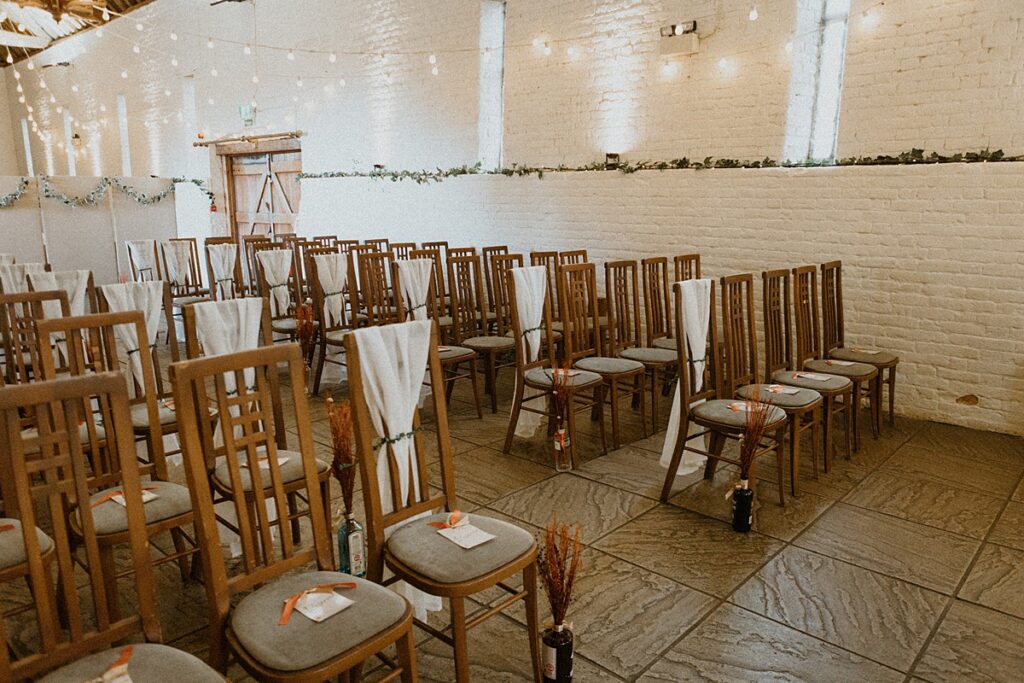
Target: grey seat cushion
<point>543,376</point>
<point>111,517</point>
<point>83,431</point>
<point>856,371</point>
<point>291,470</point>
<point>149,662</point>
<point>12,543</point>
<point>453,352</point>
<point>555,334</point>
<point>337,335</point>
<point>608,366</point>
<point>719,413</point>
<point>181,301</point>
<point>489,343</point>
<point>302,643</point>
<point>649,355</point>
<point>418,546</point>
<point>879,358</point>
<point>557,326</point>
<point>140,414</point>
<point>285,324</point>
<point>665,343</point>
<point>804,398</point>
<point>833,384</point>
<point>444,321</point>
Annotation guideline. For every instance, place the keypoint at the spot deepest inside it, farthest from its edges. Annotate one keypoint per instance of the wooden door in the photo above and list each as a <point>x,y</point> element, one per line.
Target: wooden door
<point>265,192</point>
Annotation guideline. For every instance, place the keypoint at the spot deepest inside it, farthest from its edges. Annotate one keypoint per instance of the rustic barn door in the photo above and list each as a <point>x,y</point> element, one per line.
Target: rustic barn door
<point>265,192</point>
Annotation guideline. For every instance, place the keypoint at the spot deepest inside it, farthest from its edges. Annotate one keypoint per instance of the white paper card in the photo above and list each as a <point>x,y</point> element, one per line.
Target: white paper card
<point>812,376</point>
<point>319,606</point>
<point>739,407</point>
<point>840,362</point>
<point>569,373</point>
<point>466,536</point>
<point>146,497</point>
<point>871,351</point>
<point>781,389</point>
<point>264,462</point>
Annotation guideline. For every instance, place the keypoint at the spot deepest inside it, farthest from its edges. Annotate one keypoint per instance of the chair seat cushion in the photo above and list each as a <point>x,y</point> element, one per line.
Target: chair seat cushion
<point>444,321</point>
<point>301,643</point>
<point>291,469</point>
<point>649,355</point>
<point>83,432</point>
<point>453,352</point>
<point>489,343</point>
<point>719,413</point>
<point>804,398</point>
<point>869,356</point>
<point>855,371</point>
<point>337,335</point>
<point>543,377</point>
<point>834,383</point>
<point>555,334</point>
<point>140,414</point>
<point>111,517</point>
<point>12,543</point>
<point>557,326</point>
<point>149,662</point>
<point>181,301</point>
<point>418,546</point>
<point>608,366</point>
<point>665,343</point>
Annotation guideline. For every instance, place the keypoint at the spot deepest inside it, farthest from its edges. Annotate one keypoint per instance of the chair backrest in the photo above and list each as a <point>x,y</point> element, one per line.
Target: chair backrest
<point>191,282</point>
<point>103,305</point>
<point>149,252</point>
<point>375,289</point>
<point>291,285</point>
<point>50,482</point>
<point>226,285</point>
<point>346,245</point>
<point>193,345</point>
<point>501,305</point>
<point>80,301</point>
<point>402,250</point>
<point>488,254</point>
<point>469,317</point>
<point>573,256</point>
<point>739,334</point>
<point>455,252</point>
<point>381,244</point>
<point>687,267</point>
<point>249,243</point>
<point>253,431</point>
<point>441,246</point>
<point>18,315</point>
<point>301,247</point>
<point>710,387</point>
<point>657,311</point>
<point>577,284</point>
<point>319,296</point>
<point>324,240</point>
<point>370,446</point>
<point>805,314</point>
<point>354,252</point>
<point>833,334</point>
<point>546,350</point>
<point>549,259</point>
<point>438,305</point>
<point>778,341</point>
<point>622,291</point>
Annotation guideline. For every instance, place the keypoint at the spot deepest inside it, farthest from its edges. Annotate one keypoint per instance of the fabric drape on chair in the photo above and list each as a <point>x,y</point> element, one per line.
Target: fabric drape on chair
<point>696,314</point>
<point>143,255</point>
<point>393,359</point>
<point>229,327</point>
<point>277,266</point>
<point>74,282</point>
<point>13,277</point>
<point>178,254</point>
<point>222,263</point>
<point>332,272</point>
<point>531,286</point>
<point>414,275</point>
<point>147,297</point>
<point>6,259</point>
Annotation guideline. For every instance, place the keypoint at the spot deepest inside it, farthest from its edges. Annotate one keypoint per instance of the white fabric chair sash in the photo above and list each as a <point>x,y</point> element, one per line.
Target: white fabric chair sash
<point>229,327</point>
<point>531,286</point>
<point>6,259</point>
<point>332,272</point>
<point>74,282</point>
<point>143,256</point>
<point>14,276</point>
<point>414,275</point>
<point>696,315</point>
<point>222,262</point>
<point>393,359</point>
<point>147,297</point>
<point>277,266</point>
<point>178,255</point>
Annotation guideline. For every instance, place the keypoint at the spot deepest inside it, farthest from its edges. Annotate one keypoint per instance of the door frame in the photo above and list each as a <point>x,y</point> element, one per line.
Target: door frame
<point>226,150</point>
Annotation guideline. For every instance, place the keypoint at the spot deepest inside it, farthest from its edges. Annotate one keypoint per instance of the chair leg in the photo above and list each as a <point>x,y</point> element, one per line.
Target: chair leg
<point>614,397</point>
<point>642,393</point>
<point>892,396</point>
<point>715,449</point>
<point>794,454</point>
<point>850,410</point>
<point>600,419</point>
<point>855,406</point>
<point>180,546</point>
<point>780,461</point>
<point>475,381</point>
<point>815,419</point>
<point>828,410</point>
<point>570,418</point>
<point>109,570</point>
<point>876,406</point>
<point>492,381</point>
<point>321,357</point>
<point>532,619</point>
<point>406,646</point>
<point>459,641</point>
<point>655,399</point>
<point>513,420</point>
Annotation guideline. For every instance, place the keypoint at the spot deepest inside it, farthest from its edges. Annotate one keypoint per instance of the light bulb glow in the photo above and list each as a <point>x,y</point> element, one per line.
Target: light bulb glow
<point>434,70</point>
<point>74,88</point>
<point>255,79</point>
<point>124,74</point>
<point>291,56</point>
<point>432,59</point>
<point>753,14</point>
<point>547,49</point>
<point>139,26</point>
<point>167,92</point>
<point>332,58</point>
<point>341,82</point>
<point>136,49</point>
<point>30,65</point>
<point>10,57</point>
<point>106,14</point>
<point>174,36</point>
<point>213,72</point>
<point>209,43</point>
<point>247,50</point>
<point>174,61</point>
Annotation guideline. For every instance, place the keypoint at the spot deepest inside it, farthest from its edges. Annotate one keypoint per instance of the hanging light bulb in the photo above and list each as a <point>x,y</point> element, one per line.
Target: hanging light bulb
<point>547,49</point>
<point>10,57</point>
<point>139,26</point>
<point>53,100</point>
<point>209,43</point>
<point>247,50</point>
<point>298,83</point>
<point>167,92</point>
<point>17,75</point>
<point>74,87</point>
<point>60,109</point>
<point>103,108</point>
<point>21,100</point>
<point>136,49</point>
<point>291,56</point>
<point>332,58</point>
<point>255,79</point>
<point>433,70</point>
<point>106,14</point>
<point>42,84</point>
<point>30,65</point>
<point>341,82</point>
<point>753,14</point>
<point>209,100</point>
<point>124,73</point>
<point>432,59</point>
<point>19,88</point>
<point>213,72</point>
<point>174,36</point>
<point>174,61</point>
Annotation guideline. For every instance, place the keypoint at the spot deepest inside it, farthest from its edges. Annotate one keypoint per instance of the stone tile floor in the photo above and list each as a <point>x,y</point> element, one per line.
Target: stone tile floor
<point>897,565</point>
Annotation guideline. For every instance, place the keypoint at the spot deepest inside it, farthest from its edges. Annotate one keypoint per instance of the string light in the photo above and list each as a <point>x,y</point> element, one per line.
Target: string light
<point>124,73</point>
<point>209,43</point>
<point>255,79</point>
<point>433,70</point>
<point>432,59</point>
<point>213,72</point>
<point>103,108</point>
<point>30,65</point>
<point>106,14</point>
<point>341,82</point>
<point>135,49</point>
<point>10,57</point>
<point>247,50</point>
<point>138,26</point>
<point>291,56</point>
<point>753,14</point>
<point>547,49</point>
<point>167,92</point>
<point>174,36</point>
<point>332,58</point>
<point>74,87</point>
<point>174,61</point>
<point>42,84</point>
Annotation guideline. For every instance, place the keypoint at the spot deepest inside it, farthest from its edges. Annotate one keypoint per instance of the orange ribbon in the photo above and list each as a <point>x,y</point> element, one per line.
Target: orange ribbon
<point>450,523</point>
<point>6,527</point>
<point>119,492</point>
<point>289,605</point>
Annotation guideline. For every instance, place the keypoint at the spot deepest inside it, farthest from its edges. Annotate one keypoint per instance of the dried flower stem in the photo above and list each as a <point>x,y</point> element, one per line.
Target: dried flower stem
<point>561,390</point>
<point>343,466</point>
<point>557,562</point>
<point>757,417</point>
<point>305,327</point>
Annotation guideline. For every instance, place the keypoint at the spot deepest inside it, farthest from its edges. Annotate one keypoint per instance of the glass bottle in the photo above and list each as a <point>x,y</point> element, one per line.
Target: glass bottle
<point>352,547</point>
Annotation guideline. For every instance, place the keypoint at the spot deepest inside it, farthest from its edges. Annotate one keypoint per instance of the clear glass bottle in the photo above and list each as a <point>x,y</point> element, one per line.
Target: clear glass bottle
<point>561,449</point>
<point>352,547</point>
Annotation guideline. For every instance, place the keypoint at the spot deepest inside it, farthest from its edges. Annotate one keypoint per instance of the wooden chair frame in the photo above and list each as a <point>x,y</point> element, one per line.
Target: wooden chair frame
<point>687,267</point>
<point>488,254</point>
<point>237,283</point>
<point>380,306</point>
<point>18,313</point>
<point>402,250</point>
<point>136,273</point>
<point>325,335</point>
<point>249,243</point>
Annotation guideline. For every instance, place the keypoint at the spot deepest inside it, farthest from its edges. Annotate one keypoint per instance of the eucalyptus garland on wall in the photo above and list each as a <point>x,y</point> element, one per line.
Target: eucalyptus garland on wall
<point>914,156</point>
<point>12,197</point>
<point>93,196</point>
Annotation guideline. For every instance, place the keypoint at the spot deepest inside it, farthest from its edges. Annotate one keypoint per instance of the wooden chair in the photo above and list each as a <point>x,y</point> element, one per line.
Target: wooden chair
<point>249,243</point>
<point>687,267</point>
<point>92,343</point>
<point>282,316</point>
<point>836,391</point>
<point>52,480</point>
<point>354,253</point>
<point>402,250</point>
<point>469,320</point>
<point>808,350</point>
<point>657,303</point>
<point>834,333</point>
<point>301,247</point>
<point>582,339</point>
<point>22,346</point>
<point>224,285</point>
<point>549,259</point>
<point>414,551</point>
<point>488,257</point>
<point>268,577</point>
<point>325,240</point>
<point>375,289</point>
<point>186,287</point>
<point>346,245</point>
<point>457,252</point>
<point>743,379</point>
<point>140,271</point>
<point>332,326</point>
<point>501,304</point>
<point>572,257</point>
<point>440,296</point>
<point>538,375</point>
<point>716,416</point>
<point>381,245</point>
<point>441,246</point>
<point>621,286</point>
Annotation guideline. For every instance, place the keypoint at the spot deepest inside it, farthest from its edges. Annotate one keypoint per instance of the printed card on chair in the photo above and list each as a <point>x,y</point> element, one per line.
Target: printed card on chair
<point>811,376</point>
<point>317,606</point>
<point>781,389</point>
<point>870,351</point>
<point>466,535</point>
<point>146,497</point>
<point>839,362</point>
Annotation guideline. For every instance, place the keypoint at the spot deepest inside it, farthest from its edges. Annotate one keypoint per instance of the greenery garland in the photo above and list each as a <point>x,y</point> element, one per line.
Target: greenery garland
<point>914,156</point>
<point>9,199</point>
<point>93,196</point>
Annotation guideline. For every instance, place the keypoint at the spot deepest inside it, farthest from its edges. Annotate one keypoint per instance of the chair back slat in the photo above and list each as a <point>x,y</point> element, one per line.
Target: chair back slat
<point>467,297</point>
<point>22,345</point>
<point>224,288</point>
<point>375,289</point>
<point>573,256</point>
<point>380,245</point>
<point>402,250</point>
<point>578,297</point>
<point>488,256</point>
<point>192,282</point>
<point>549,259</point>
<point>621,285</point>
<point>832,306</point>
<point>687,267</point>
<point>501,264</point>
<point>249,243</point>
<point>739,333</point>
<point>346,245</point>
<point>805,310</point>
<point>657,313</point>
<point>777,328</point>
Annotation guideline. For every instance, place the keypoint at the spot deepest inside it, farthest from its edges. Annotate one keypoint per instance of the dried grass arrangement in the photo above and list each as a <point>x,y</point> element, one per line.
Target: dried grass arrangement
<point>305,327</point>
<point>758,415</point>
<point>561,389</point>
<point>558,561</point>
<point>343,466</point>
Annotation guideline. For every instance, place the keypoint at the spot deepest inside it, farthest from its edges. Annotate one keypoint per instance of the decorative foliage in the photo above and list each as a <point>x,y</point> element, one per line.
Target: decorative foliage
<point>558,560</point>
<point>94,195</point>
<point>755,427</point>
<point>11,198</point>
<point>914,156</point>
<point>343,467</point>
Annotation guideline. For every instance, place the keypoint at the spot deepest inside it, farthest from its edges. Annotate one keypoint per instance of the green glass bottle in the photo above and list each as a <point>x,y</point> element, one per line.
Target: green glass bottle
<point>352,547</point>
